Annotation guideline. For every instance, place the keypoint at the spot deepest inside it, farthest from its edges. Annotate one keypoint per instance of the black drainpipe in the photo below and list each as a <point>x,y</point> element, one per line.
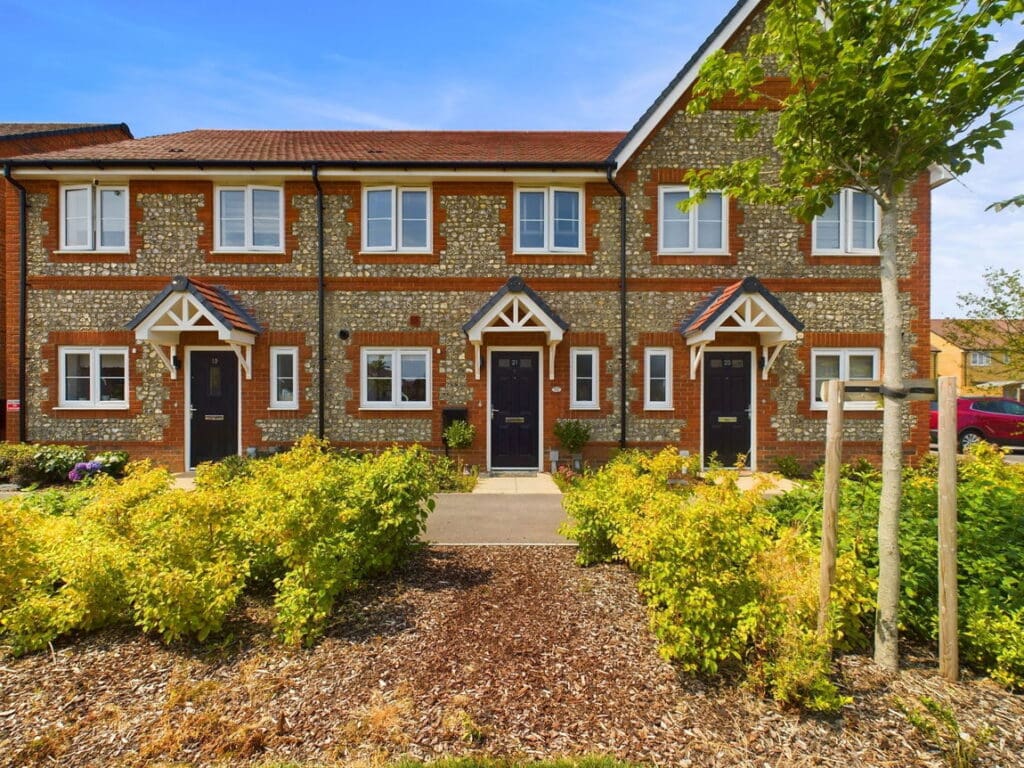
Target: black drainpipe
<point>623,343</point>
<point>321,287</point>
<point>22,297</point>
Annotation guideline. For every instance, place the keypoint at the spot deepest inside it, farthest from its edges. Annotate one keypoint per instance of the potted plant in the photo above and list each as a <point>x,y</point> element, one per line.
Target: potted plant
<point>573,434</point>
<point>458,436</point>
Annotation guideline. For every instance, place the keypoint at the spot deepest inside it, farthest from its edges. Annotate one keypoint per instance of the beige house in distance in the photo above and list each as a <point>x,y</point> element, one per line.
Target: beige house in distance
<point>987,371</point>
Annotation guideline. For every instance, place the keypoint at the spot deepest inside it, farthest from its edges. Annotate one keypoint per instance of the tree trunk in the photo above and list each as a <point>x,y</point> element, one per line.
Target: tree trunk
<point>886,633</point>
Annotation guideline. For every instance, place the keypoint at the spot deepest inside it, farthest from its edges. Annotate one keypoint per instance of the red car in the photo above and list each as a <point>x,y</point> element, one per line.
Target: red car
<point>998,420</point>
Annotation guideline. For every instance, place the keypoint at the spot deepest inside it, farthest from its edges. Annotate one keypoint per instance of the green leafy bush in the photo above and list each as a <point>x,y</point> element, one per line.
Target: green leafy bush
<point>990,508</point>
<point>459,434</point>
<point>17,463</point>
<point>54,462</point>
<point>728,588</point>
<point>573,434</point>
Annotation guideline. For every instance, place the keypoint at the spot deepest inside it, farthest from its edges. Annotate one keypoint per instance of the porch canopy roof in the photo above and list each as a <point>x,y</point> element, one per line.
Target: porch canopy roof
<point>742,307</point>
<point>187,304</point>
<point>515,308</point>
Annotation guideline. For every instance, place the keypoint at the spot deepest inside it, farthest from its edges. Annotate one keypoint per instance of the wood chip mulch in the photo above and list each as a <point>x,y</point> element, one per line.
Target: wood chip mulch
<point>510,651</point>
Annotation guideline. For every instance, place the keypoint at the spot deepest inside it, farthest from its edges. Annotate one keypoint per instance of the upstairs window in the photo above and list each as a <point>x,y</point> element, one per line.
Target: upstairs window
<point>850,365</point>
<point>249,218</point>
<point>396,219</point>
<point>548,220</point>
<point>93,377</point>
<point>981,359</point>
<point>701,229</point>
<point>395,378</point>
<point>849,225</point>
<point>94,218</point>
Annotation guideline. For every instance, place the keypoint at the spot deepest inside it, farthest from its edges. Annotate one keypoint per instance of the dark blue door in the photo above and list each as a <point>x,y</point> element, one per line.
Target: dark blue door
<point>213,394</point>
<point>727,406</point>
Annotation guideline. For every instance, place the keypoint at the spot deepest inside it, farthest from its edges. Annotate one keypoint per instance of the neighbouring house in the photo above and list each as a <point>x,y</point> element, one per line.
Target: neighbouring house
<point>19,139</point>
<point>208,293</point>
<point>975,351</point>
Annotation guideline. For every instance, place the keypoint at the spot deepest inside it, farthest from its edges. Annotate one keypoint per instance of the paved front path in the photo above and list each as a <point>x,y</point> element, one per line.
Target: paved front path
<point>471,518</point>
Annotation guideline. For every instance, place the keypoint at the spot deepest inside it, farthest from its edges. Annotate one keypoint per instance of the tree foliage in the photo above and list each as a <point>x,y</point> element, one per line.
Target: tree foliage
<point>879,92</point>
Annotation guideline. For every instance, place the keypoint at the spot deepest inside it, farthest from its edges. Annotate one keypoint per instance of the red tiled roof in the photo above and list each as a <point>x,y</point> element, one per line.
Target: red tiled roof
<point>980,332</point>
<point>413,147</point>
<point>217,300</point>
<point>23,129</point>
<point>714,304</point>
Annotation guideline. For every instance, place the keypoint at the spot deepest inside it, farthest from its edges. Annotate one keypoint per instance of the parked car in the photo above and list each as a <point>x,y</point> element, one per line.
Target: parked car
<point>998,420</point>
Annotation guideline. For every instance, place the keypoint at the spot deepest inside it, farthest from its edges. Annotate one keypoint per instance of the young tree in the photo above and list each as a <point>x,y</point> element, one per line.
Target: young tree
<point>881,90</point>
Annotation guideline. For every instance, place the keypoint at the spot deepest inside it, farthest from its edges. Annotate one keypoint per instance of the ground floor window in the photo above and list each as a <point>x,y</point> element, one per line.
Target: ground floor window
<point>395,378</point>
<point>845,365</point>
<point>93,377</point>
<point>583,378</point>
<point>284,366</point>
<point>658,379</point>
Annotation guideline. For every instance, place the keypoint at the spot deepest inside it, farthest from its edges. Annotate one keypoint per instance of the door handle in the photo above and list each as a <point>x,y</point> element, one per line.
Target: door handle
<point>191,411</point>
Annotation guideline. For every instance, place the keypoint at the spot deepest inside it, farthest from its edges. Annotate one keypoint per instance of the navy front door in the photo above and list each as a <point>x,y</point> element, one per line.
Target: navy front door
<point>515,410</point>
<point>213,395</point>
<point>727,385</point>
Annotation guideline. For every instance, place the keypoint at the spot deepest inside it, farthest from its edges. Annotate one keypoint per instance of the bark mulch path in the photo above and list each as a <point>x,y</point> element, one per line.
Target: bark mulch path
<point>491,650</point>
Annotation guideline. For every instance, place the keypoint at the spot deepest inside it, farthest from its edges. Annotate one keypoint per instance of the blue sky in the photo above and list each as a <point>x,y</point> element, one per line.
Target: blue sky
<point>489,64</point>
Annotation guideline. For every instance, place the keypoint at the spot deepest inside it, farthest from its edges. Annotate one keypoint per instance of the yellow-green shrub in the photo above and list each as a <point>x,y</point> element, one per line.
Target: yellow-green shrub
<point>189,564</point>
<point>311,521</point>
<point>726,586</point>
<point>77,582</point>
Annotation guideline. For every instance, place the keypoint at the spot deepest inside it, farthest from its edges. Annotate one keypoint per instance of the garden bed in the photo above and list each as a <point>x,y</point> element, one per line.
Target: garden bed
<point>492,650</point>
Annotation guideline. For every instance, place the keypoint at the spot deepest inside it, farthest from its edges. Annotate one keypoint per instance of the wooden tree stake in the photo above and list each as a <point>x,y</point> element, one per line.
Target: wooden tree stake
<point>949,654</point>
<point>830,504</point>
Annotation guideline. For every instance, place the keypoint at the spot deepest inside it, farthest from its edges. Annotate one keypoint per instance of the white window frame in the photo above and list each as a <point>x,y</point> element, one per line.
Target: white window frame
<point>650,405</point>
<point>93,214</point>
<point>693,247</point>
<point>549,220</point>
<point>248,245</point>
<point>846,229</point>
<point>844,354</point>
<point>593,403</point>
<point>94,402</point>
<point>396,403</point>
<point>284,405</point>
<point>980,358</point>
<point>397,204</point>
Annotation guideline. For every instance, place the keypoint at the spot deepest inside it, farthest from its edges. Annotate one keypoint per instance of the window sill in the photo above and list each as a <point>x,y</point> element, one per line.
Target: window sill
<point>247,252</point>
<point>100,407</point>
<point>584,407</point>
<point>396,408</point>
<point>661,408</point>
<point>693,253</point>
<point>845,253</point>
<point>283,407</point>
<point>565,252</point>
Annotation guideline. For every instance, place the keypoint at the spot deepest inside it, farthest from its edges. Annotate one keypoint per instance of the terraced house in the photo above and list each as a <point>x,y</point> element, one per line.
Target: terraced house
<point>200,294</point>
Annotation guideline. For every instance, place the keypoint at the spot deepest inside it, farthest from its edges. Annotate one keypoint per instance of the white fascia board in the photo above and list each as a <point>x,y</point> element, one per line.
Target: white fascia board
<point>688,78</point>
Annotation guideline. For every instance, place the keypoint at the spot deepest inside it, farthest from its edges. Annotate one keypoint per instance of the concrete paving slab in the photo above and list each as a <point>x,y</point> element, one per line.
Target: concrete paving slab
<point>539,483</point>
<point>496,518</point>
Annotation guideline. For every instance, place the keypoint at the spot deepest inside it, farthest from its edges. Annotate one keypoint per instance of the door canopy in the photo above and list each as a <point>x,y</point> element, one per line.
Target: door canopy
<point>514,309</point>
<point>743,307</point>
<point>191,305</point>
